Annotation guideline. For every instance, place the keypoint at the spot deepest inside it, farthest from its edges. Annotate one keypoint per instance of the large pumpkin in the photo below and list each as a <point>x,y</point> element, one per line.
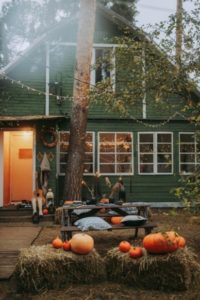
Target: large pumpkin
<point>160,242</point>
<point>82,243</point>
<point>116,220</point>
<point>57,243</point>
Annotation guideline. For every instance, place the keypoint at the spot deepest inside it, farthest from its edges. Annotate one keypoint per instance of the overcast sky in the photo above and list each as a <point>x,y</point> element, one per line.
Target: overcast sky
<point>154,11</point>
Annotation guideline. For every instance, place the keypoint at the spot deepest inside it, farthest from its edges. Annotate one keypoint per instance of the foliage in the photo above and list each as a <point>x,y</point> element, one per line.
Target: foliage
<point>189,193</point>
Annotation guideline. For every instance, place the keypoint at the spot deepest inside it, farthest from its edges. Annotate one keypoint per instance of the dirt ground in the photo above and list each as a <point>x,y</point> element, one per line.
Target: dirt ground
<point>183,222</point>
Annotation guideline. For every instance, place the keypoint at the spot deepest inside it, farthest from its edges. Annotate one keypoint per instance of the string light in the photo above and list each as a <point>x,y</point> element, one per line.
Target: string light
<point>70,98</point>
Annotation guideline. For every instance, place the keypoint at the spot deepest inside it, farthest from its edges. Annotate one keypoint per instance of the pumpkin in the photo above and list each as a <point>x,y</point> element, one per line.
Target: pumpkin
<point>57,243</point>
<point>161,242</point>
<point>124,246</point>
<point>67,245</point>
<point>135,252</point>
<point>104,200</point>
<point>82,243</point>
<point>181,242</point>
<point>116,220</point>
<point>45,211</point>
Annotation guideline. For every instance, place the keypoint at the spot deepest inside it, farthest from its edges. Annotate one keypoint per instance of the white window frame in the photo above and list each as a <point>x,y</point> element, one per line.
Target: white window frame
<point>112,72</point>
<point>58,154</point>
<point>115,164</point>
<point>155,152</point>
<point>195,153</point>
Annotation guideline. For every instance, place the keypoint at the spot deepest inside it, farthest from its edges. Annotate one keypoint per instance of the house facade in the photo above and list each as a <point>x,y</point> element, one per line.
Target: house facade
<point>150,150</point>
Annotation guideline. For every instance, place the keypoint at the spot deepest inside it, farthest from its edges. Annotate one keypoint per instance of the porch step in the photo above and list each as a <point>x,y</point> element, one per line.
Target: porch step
<point>16,212</point>
<point>24,219</point>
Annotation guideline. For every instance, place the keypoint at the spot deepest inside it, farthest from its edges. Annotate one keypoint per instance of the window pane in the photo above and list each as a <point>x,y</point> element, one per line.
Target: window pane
<point>64,147</point>
<point>63,157</point>
<point>88,158</point>
<point>146,158</point>
<point>88,147</point>
<point>187,168</point>
<point>164,147</point>
<point>124,137</point>
<point>124,168</point>
<point>164,138</point>
<point>107,169</point>
<point>64,136</point>
<point>88,168</point>
<point>146,138</point>
<point>146,148</point>
<point>62,168</point>
<point>187,158</point>
<point>124,158</point>
<point>107,158</point>
<point>164,158</point>
<point>107,137</point>
<point>164,168</point>
<point>146,168</point>
<point>198,158</point>
<point>188,138</point>
<point>89,137</point>
<point>107,147</point>
<point>187,148</point>
<point>124,147</point>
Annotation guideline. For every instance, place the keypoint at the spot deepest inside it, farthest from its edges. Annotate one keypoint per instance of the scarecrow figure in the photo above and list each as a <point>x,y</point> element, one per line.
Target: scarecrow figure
<point>118,187</point>
<point>38,201</point>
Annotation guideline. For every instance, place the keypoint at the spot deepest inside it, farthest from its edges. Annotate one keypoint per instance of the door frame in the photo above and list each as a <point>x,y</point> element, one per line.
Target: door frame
<point>33,129</point>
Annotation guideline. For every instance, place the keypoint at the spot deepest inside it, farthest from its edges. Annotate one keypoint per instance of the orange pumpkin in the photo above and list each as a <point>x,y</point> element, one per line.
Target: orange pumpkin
<point>124,246</point>
<point>104,200</point>
<point>135,252</point>
<point>45,211</point>
<point>82,243</point>
<point>67,245</point>
<point>116,220</point>
<point>181,242</point>
<point>57,243</point>
<point>160,242</point>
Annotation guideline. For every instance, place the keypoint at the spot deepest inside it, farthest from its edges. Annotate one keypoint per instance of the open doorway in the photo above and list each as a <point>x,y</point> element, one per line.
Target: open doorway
<point>17,166</point>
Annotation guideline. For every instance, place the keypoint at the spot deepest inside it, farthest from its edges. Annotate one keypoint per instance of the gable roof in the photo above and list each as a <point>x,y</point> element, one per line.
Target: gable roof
<point>106,12</point>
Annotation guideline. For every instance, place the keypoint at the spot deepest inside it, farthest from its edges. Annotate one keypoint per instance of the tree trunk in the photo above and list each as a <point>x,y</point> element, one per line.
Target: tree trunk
<point>179,32</point>
<point>78,121</point>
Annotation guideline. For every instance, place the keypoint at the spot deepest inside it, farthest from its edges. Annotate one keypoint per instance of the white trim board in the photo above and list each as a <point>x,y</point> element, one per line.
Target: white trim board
<point>1,169</point>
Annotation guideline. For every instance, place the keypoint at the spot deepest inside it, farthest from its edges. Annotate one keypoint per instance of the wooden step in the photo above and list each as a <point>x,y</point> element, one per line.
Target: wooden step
<point>24,219</point>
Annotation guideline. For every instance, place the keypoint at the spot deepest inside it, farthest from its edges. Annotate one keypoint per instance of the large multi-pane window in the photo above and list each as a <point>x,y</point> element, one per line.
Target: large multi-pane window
<point>189,152</point>
<point>155,153</point>
<point>63,152</point>
<point>115,153</point>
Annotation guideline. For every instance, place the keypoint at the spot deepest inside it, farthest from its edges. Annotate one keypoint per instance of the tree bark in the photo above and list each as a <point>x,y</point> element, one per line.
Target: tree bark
<point>79,114</point>
<point>179,32</point>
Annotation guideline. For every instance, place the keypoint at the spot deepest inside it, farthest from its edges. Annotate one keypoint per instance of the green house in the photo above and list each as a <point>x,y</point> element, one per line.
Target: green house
<point>150,150</point>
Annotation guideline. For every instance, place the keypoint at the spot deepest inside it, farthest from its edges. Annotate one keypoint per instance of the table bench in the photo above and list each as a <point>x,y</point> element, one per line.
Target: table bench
<point>66,231</point>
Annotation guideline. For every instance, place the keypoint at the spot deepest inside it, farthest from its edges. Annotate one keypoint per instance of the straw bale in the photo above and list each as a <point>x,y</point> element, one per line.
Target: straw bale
<point>43,267</point>
<point>175,271</point>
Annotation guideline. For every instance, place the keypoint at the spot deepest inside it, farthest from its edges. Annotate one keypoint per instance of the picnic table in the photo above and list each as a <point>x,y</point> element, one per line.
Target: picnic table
<point>67,217</point>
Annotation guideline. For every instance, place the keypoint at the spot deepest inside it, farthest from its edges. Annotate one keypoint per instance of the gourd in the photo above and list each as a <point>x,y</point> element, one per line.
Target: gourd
<point>67,245</point>
<point>82,243</point>
<point>57,243</point>
<point>135,252</point>
<point>124,246</point>
<point>116,220</point>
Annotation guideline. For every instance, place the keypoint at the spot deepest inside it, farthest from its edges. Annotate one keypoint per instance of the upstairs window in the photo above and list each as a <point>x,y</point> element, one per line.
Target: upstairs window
<point>103,65</point>
<point>63,146</point>
<point>189,152</point>
<point>155,153</point>
<point>115,153</point>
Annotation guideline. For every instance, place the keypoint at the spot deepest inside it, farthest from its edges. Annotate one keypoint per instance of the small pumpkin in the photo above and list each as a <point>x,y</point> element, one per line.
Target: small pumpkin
<point>104,200</point>
<point>116,220</point>
<point>135,252</point>
<point>57,243</point>
<point>124,246</point>
<point>67,245</point>
<point>45,211</point>
<point>82,243</point>
<point>181,242</point>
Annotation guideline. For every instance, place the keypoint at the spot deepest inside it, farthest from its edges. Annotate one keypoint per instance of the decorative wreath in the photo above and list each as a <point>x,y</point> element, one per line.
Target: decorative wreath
<point>53,137</point>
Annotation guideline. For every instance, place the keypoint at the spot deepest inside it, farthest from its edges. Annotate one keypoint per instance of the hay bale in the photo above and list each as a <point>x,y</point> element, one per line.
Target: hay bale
<point>176,271</point>
<point>43,267</point>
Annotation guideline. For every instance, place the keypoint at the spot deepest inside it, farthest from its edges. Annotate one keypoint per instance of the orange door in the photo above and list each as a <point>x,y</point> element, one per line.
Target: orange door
<point>21,146</point>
